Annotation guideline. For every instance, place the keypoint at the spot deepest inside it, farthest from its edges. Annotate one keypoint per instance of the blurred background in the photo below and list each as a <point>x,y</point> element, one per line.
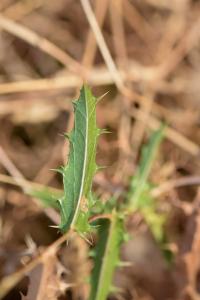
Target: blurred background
<point>145,55</point>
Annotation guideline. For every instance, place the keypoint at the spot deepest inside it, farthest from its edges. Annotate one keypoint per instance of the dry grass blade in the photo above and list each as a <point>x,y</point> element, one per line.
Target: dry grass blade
<point>137,22</point>
<point>9,165</point>
<point>118,30</point>
<point>101,43</point>
<point>173,135</point>
<point>43,44</point>
<point>19,9</point>
<point>23,183</point>
<point>91,46</point>
<point>187,43</point>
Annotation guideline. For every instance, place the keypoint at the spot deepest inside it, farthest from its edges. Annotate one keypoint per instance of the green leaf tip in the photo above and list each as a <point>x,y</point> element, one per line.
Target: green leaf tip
<point>78,173</point>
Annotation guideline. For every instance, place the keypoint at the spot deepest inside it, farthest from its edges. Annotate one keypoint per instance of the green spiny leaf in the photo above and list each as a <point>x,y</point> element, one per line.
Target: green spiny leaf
<point>81,167</point>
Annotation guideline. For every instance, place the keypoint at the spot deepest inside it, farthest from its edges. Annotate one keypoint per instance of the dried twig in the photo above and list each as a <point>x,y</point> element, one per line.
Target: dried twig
<point>10,281</point>
<point>102,44</point>
<point>175,183</point>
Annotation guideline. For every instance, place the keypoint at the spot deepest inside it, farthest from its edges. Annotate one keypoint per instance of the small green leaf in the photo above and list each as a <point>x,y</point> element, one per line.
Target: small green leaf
<point>46,196</point>
<point>139,195</point>
<point>107,256</point>
<point>139,182</point>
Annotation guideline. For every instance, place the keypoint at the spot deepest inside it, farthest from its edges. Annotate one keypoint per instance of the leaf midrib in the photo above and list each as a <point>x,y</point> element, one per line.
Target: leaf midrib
<point>84,166</point>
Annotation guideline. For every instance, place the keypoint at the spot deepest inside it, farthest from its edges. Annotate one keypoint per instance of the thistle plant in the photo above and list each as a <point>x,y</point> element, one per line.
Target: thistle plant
<point>76,203</point>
